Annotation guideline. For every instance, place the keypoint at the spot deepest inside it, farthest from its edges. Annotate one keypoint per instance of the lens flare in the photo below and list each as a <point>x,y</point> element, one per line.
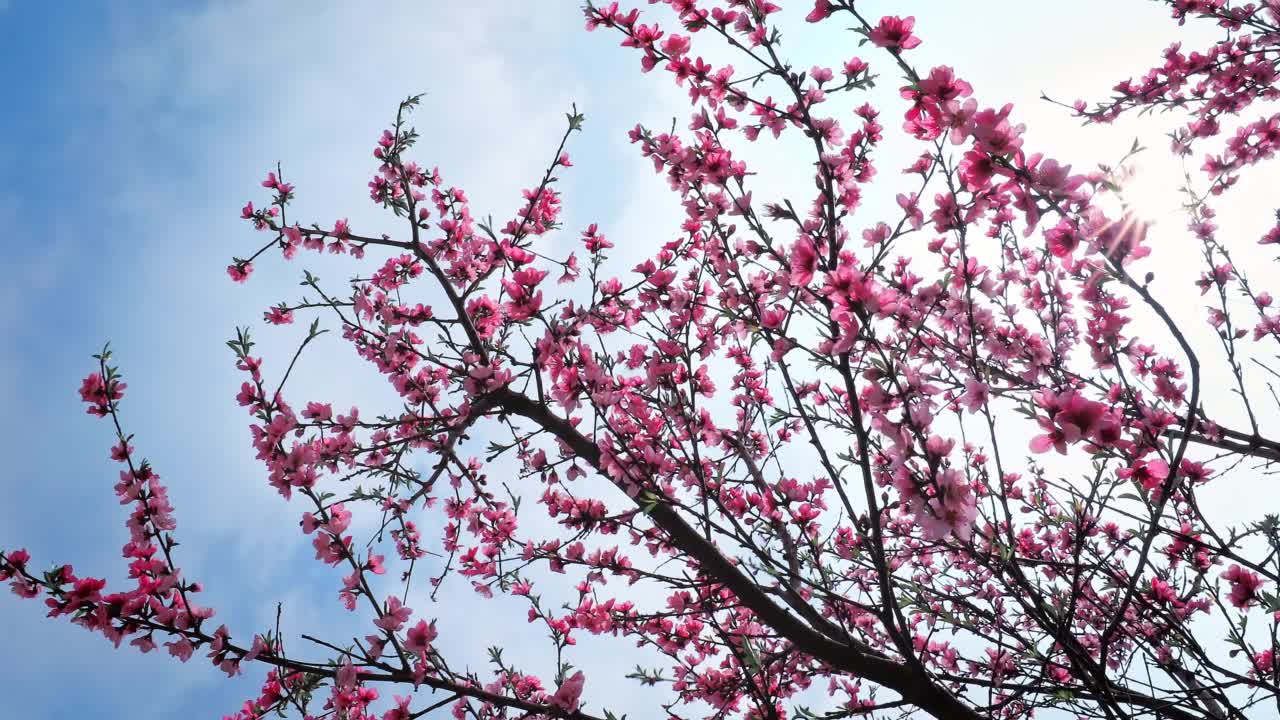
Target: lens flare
<point>1147,193</point>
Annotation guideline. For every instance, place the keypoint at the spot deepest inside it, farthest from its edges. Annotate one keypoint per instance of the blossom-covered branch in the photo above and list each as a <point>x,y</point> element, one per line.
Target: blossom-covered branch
<point>808,458</point>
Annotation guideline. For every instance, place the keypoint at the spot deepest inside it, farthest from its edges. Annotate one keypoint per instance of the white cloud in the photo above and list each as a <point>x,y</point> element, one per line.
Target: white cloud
<point>196,106</point>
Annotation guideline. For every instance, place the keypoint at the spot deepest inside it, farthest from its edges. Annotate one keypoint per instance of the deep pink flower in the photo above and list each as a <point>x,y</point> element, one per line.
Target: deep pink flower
<point>1072,418</point>
<point>894,33</point>
<point>395,616</point>
<point>1150,474</point>
<point>976,395</point>
<point>1163,592</point>
<point>240,271</point>
<point>401,710</point>
<point>485,315</point>
<point>1122,239</point>
<point>994,133</point>
<point>181,649</point>
<point>804,262</point>
<point>976,170</point>
<point>942,85</point>
<point>95,391</point>
<point>419,638</point>
<point>593,240</point>
<point>1062,239</point>
<point>821,11</point>
<point>567,696</point>
<point>1244,586</point>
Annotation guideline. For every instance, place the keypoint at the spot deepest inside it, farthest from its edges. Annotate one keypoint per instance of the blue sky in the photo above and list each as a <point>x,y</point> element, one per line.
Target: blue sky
<point>137,130</point>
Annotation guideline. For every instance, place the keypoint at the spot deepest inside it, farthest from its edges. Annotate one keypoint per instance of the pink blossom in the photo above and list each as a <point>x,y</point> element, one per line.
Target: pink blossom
<point>976,395</point>
<point>419,638</point>
<point>821,11</point>
<point>804,262</point>
<point>1071,419</point>
<point>396,615</point>
<point>240,271</point>
<point>894,33</point>
<point>567,696</point>
<point>1244,586</point>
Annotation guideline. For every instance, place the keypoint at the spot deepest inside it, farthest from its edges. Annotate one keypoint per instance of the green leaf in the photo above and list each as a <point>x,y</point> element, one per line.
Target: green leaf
<point>649,501</point>
<point>753,660</point>
<point>576,119</point>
